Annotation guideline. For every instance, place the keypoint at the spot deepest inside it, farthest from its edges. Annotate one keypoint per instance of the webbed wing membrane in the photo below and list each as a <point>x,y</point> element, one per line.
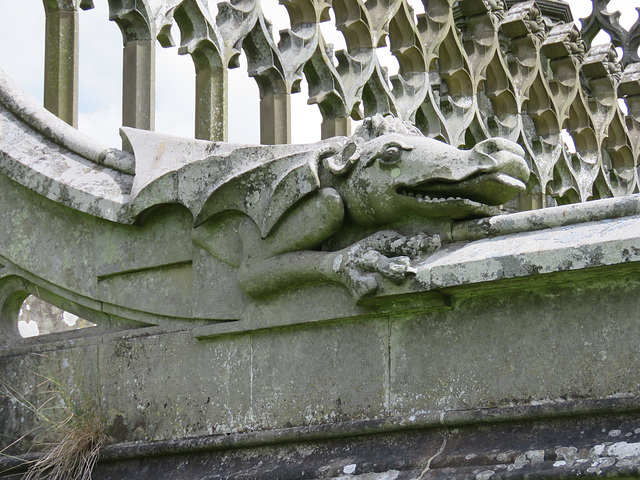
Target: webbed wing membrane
<point>209,178</point>
<point>267,192</point>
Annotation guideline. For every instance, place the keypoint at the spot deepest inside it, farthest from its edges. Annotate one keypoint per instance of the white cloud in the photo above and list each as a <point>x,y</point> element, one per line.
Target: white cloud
<point>22,40</point>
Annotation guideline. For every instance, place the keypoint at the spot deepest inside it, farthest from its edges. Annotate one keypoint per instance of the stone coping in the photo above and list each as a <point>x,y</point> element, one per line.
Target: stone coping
<point>579,246</point>
<point>546,218</point>
<point>30,112</point>
<point>450,419</point>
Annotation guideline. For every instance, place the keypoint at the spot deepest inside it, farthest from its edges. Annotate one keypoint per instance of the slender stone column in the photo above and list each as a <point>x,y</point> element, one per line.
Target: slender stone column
<point>61,64</point>
<point>531,201</point>
<point>212,104</point>
<point>335,127</point>
<point>275,119</point>
<point>138,84</point>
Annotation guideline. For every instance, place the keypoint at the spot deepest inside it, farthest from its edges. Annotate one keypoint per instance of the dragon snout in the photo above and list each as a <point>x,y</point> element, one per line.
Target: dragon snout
<point>491,173</point>
<point>504,157</point>
<point>502,172</point>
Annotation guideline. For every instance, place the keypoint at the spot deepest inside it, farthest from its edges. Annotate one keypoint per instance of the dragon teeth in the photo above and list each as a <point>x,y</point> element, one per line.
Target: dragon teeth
<point>426,197</point>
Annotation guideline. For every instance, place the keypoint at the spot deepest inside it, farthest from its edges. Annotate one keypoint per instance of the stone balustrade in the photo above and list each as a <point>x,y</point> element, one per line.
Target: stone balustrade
<point>468,70</point>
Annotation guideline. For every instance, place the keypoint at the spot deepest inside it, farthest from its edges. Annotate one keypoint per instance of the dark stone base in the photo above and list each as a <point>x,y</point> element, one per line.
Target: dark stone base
<point>551,441</point>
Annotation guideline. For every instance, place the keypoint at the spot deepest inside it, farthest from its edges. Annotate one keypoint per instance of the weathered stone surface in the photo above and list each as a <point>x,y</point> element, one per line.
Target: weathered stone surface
<point>517,344</point>
<point>268,212</point>
<point>105,265</point>
<point>41,387</point>
<point>576,247</point>
<point>18,103</point>
<point>579,440</point>
<point>304,363</point>
<point>535,341</point>
<point>149,386</point>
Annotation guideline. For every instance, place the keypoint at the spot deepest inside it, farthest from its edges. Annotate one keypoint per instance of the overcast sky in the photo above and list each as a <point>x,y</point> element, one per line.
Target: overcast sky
<point>22,57</point>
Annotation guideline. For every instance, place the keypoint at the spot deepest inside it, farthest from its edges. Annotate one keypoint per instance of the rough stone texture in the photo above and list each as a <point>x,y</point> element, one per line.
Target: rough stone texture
<point>312,363</point>
<point>334,310</point>
<point>522,343</point>
<point>20,105</point>
<point>535,443</point>
<point>215,383</point>
<point>518,344</point>
<point>296,196</point>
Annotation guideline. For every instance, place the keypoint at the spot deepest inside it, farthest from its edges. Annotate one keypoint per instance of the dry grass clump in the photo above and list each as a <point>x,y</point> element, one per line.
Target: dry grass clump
<point>72,427</point>
<point>76,452</point>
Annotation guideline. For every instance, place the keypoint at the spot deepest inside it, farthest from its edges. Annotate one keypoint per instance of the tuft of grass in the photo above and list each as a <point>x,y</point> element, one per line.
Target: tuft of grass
<point>75,453</point>
<point>74,430</point>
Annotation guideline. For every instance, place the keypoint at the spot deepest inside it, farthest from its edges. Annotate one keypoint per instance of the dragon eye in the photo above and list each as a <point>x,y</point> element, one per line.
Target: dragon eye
<point>391,155</point>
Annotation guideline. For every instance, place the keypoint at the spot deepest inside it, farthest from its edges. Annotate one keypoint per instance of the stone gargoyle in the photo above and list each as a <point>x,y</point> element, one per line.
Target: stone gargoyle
<point>348,210</point>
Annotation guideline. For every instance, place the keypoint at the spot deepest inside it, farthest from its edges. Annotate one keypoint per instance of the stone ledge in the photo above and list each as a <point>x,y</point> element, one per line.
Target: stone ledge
<point>552,440</point>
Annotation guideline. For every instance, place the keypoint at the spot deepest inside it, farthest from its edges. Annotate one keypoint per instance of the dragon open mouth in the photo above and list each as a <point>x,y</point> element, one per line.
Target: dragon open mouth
<point>483,188</point>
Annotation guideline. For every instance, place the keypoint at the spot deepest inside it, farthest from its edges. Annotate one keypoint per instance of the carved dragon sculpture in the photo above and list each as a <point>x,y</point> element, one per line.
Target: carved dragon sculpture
<point>187,229</point>
<point>352,209</point>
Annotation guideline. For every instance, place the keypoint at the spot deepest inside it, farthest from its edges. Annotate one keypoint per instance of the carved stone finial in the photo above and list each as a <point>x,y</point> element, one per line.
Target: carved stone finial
<point>602,61</point>
<point>67,5</point>
<point>564,40</point>
<point>601,19</point>
<point>524,19</point>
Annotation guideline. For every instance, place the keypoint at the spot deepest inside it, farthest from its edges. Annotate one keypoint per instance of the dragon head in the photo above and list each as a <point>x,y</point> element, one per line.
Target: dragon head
<point>389,169</point>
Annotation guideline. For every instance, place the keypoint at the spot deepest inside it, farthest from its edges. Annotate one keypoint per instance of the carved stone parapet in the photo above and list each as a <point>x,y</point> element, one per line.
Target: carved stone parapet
<point>278,69</point>
<point>476,7</point>
<point>479,21</point>
<point>629,88</point>
<point>356,31</point>
<point>469,70</point>
<point>325,88</point>
<point>338,89</point>
<point>235,21</point>
<point>306,11</point>
<point>630,82</point>
<point>134,19</point>
<point>144,19</point>
<point>435,24</point>
<point>200,38</point>
<point>198,34</point>
<point>141,22</point>
<point>496,9</point>
<point>409,92</point>
<point>263,63</point>
<point>555,10</point>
